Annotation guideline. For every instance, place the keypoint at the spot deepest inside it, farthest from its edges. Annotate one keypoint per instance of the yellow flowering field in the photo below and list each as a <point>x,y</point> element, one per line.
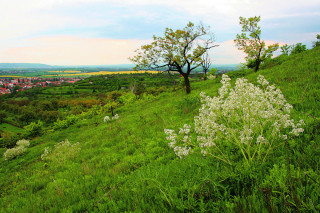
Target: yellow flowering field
<point>67,71</point>
<point>12,76</point>
<point>101,73</point>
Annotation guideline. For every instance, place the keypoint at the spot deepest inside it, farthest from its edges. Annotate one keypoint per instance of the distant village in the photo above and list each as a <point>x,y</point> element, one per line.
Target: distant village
<point>8,85</point>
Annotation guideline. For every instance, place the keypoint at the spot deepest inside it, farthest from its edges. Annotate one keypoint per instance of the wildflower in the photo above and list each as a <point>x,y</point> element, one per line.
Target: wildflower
<point>45,153</point>
<point>106,118</point>
<point>19,149</point>
<point>23,142</point>
<point>245,117</point>
<point>115,117</point>
<point>211,77</point>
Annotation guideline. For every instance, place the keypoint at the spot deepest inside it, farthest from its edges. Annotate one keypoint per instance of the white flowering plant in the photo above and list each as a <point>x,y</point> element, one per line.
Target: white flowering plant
<point>246,120</point>
<point>61,152</point>
<point>211,77</point>
<point>107,118</point>
<point>19,149</point>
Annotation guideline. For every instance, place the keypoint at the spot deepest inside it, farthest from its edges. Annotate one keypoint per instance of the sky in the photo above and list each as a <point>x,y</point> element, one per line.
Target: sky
<point>99,32</point>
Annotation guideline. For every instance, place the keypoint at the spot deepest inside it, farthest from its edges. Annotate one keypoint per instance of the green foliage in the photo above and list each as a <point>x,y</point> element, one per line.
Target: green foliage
<point>8,139</point>
<point>127,166</point>
<point>62,124</point>
<point>255,48</point>
<point>285,49</point>
<point>3,116</point>
<point>298,48</point>
<point>212,71</point>
<point>316,43</point>
<point>34,129</point>
<point>178,50</point>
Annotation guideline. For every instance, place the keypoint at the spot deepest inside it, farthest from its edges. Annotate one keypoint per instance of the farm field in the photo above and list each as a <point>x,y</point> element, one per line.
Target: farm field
<point>69,73</point>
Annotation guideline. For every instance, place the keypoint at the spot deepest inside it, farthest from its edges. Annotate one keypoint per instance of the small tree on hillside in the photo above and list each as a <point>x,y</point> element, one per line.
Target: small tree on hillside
<point>316,43</point>
<point>252,45</point>
<point>206,63</point>
<point>298,48</point>
<point>285,49</point>
<point>180,51</point>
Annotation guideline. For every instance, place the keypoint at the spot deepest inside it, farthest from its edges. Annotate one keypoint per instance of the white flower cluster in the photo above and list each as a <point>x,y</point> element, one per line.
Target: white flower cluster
<point>246,116</point>
<point>183,138</point>
<point>61,151</point>
<point>115,117</point>
<point>19,149</point>
<point>107,118</point>
<point>211,77</point>
<point>23,142</point>
<point>46,152</point>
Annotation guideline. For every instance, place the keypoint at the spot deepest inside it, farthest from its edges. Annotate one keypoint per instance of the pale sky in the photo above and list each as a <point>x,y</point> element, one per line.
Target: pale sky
<point>98,32</point>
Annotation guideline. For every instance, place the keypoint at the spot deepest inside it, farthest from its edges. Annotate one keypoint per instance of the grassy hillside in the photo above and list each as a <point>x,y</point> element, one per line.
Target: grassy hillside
<point>127,165</point>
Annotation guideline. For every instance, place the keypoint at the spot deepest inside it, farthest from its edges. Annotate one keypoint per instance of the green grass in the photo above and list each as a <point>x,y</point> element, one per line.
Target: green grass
<point>10,128</point>
<point>126,164</point>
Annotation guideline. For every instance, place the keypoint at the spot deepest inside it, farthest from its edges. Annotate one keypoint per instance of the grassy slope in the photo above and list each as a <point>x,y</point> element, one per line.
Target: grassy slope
<point>126,165</point>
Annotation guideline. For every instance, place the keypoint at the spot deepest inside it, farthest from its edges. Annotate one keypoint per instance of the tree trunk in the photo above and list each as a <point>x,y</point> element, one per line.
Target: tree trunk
<point>187,83</point>
<point>257,65</point>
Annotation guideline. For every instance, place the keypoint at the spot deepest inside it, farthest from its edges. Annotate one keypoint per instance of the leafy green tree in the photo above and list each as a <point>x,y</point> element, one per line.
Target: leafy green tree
<point>180,51</point>
<point>298,48</point>
<point>255,48</point>
<point>316,43</point>
<point>285,49</point>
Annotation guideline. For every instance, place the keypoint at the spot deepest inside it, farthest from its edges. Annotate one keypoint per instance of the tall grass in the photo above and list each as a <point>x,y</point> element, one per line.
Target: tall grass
<point>127,165</point>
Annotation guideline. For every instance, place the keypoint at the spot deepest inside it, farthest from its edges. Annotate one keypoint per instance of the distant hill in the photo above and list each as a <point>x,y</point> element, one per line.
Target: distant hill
<point>25,66</point>
<point>109,67</point>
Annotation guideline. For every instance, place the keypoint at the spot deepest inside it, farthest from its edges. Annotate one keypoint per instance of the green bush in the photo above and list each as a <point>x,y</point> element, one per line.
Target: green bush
<point>34,129</point>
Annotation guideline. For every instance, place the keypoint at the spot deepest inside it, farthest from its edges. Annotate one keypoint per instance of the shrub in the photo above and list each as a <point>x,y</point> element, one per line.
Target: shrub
<point>61,152</point>
<point>62,124</point>
<point>246,121</point>
<point>23,142</point>
<point>8,139</point>
<point>19,149</point>
<point>211,77</point>
<point>34,129</point>
<point>127,98</point>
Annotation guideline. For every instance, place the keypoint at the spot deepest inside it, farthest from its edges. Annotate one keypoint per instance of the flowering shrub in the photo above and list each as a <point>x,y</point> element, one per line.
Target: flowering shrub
<point>19,149</point>
<point>250,119</point>
<point>211,77</point>
<point>61,152</point>
<point>23,142</point>
<point>45,154</point>
<point>115,117</point>
<point>107,118</point>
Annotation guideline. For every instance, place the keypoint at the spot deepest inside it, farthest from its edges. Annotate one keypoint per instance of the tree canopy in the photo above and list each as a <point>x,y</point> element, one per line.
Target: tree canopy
<point>251,44</point>
<point>180,51</point>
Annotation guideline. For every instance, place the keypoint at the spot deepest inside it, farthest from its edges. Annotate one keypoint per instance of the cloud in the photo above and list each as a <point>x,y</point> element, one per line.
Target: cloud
<point>72,50</point>
<point>30,28</point>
